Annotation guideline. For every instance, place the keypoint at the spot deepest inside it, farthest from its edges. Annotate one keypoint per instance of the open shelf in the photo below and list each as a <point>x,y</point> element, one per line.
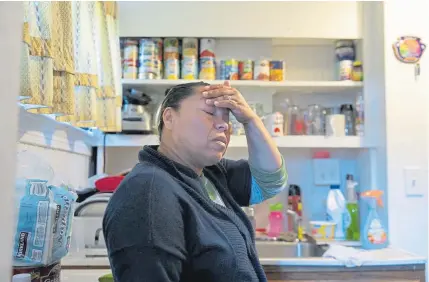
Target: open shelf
<point>348,142</point>
<point>301,87</point>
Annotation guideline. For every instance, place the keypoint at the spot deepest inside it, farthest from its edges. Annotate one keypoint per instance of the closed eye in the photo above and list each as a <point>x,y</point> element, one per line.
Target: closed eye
<point>209,113</point>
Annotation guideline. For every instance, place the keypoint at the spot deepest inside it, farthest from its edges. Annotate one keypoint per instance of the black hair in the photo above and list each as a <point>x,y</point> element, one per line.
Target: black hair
<point>173,98</point>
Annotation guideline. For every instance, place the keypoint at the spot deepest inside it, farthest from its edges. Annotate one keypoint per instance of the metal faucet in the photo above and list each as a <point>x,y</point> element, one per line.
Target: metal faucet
<point>295,219</point>
<point>97,236</point>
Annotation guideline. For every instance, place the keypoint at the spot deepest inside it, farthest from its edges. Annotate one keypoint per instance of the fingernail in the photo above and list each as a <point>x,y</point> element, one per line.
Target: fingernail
<point>207,87</point>
<point>205,93</point>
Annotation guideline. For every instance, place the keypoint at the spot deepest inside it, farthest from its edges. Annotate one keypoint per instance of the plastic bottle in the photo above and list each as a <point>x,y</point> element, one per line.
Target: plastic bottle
<point>337,211</point>
<point>374,233</point>
<point>353,232</point>
<point>276,219</point>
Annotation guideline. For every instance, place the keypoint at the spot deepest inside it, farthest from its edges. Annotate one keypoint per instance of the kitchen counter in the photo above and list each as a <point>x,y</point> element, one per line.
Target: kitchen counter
<point>384,257</point>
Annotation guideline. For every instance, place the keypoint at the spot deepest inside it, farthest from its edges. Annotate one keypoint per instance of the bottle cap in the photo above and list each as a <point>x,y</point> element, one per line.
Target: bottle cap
<point>22,277</point>
<point>335,186</point>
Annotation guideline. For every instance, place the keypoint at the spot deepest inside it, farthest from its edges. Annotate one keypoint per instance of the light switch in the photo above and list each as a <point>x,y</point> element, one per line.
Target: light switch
<point>413,181</point>
<point>326,172</point>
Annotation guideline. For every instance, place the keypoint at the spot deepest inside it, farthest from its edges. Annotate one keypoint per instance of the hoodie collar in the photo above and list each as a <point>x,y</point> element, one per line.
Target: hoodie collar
<point>150,154</point>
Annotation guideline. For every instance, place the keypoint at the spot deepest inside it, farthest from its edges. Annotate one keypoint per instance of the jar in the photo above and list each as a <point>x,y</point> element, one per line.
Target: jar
<point>357,71</point>
<point>315,117</point>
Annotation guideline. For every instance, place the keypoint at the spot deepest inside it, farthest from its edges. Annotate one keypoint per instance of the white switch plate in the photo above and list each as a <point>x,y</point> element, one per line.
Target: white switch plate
<point>413,181</point>
<point>326,172</point>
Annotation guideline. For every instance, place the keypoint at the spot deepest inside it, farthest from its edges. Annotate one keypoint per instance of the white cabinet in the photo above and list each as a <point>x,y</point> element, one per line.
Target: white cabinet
<point>339,19</point>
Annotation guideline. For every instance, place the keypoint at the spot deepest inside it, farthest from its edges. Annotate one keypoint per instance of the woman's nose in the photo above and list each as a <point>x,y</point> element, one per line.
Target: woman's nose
<point>221,125</point>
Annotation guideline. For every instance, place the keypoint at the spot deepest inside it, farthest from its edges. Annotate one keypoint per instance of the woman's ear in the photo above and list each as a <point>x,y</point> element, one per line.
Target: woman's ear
<point>167,117</point>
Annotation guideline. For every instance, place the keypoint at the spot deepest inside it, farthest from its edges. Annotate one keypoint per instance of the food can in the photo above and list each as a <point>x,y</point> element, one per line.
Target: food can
<point>229,69</point>
<point>207,48</point>
<point>159,47</point>
<point>172,69</point>
<point>245,70</point>
<point>171,48</point>
<point>148,48</point>
<point>150,69</point>
<point>130,57</point>
<point>345,68</point>
<point>207,68</point>
<point>262,70</point>
<point>277,70</point>
<point>190,48</point>
<point>189,68</point>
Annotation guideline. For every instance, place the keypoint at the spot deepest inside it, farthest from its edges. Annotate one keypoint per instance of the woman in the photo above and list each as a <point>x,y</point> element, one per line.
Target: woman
<point>176,216</point>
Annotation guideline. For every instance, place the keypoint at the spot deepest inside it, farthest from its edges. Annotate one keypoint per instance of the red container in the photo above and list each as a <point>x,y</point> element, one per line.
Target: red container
<point>108,184</point>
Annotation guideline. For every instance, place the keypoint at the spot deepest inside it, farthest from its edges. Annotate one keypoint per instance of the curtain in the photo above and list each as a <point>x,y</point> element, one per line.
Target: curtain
<point>70,62</point>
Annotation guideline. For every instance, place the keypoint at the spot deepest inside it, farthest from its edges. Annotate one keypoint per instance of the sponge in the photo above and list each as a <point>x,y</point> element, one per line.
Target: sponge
<point>106,278</point>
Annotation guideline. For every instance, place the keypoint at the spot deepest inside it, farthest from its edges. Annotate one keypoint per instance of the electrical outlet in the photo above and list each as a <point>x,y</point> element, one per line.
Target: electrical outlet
<point>326,172</point>
<point>413,181</point>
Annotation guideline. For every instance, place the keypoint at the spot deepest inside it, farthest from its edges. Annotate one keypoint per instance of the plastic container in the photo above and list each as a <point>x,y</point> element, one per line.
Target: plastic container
<point>276,220</point>
<point>337,211</point>
<point>322,230</point>
<point>373,233</point>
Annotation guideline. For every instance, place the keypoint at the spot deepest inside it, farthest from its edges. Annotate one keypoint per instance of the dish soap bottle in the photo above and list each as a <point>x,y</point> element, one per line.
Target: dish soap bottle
<point>352,233</point>
<point>374,233</point>
<point>337,211</point>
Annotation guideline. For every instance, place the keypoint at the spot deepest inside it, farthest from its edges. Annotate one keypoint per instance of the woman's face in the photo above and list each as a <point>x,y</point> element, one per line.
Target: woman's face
<point>200,129</point>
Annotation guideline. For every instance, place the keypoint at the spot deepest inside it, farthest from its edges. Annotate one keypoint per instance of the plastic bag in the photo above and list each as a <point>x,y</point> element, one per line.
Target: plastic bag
<point>44,214</point>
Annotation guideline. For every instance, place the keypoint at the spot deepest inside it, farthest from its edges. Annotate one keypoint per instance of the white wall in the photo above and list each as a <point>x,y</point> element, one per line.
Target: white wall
<point>406,104</point>
<point>294,19</point>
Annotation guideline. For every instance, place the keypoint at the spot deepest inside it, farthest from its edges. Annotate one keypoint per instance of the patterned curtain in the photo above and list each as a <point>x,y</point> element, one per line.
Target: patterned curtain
<point>70,65</point>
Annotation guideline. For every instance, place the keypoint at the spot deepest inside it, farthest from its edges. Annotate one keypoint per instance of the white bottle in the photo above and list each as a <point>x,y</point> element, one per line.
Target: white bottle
<point>337,211</point>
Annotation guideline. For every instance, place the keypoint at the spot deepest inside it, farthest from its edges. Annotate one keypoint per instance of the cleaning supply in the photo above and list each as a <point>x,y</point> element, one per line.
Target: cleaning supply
<point>353,232</point>
<point>337,211</point>
<point>374,233</point>
<point>276,220</point>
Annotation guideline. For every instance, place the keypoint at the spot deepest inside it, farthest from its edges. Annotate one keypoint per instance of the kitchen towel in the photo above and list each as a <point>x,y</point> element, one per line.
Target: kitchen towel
<point>351,257</point>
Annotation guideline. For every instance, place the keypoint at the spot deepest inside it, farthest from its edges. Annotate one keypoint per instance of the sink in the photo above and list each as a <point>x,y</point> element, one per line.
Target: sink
<point>281,250</point>
<point>272,250</point>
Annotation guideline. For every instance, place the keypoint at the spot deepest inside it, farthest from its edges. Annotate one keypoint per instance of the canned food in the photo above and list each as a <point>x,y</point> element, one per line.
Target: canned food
<point>171,48</point>
<point>207,48</point>
<point>172,69</point>
<point>190,47</point>
<point>262,70</point>
<point>189,68</point>
<point>129,72</point>
<point>207,68</point>
<point>159,47</point>
<point>148,48</point>
<point>130,57</point>
<point>150,69</point>
<point>345,68</point>
<point>229,69</point>
<point>277,70</point>
<point>131,50</point>
<point>245,70</point>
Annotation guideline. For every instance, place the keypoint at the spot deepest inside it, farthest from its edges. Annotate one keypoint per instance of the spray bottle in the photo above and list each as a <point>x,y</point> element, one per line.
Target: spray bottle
<point>374,232</point>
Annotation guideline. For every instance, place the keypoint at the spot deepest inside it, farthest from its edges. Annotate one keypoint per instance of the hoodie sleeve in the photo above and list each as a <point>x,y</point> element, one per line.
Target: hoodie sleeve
<point>144,231</point>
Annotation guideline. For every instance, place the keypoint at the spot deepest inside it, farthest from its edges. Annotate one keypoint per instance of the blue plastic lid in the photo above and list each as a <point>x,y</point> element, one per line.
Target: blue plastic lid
<point>335,186</point>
